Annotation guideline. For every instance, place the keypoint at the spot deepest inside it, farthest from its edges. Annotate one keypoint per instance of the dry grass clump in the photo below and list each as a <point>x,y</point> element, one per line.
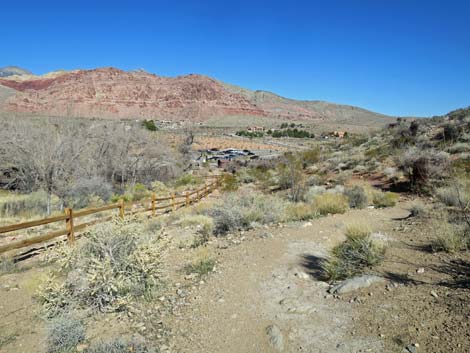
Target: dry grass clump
<point>300,212</point>
<point>330,203</point>
<point>116,263</point>
<point>203,263</point>
<point>358,230</point>
<point>237,211</point>
<point>64,333</point>
<point>384,199</point>
<point>449,237</point>
<point>354,255</point>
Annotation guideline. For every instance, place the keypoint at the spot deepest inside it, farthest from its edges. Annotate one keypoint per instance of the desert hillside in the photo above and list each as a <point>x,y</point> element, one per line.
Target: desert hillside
<point>113,93</point>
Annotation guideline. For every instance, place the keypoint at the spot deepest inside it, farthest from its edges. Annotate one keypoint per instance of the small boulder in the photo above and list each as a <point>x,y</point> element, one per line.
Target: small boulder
<point>355,283</point>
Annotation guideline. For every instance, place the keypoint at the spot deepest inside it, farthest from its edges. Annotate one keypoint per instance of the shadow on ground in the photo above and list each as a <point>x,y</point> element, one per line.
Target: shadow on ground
<point>313,265</point>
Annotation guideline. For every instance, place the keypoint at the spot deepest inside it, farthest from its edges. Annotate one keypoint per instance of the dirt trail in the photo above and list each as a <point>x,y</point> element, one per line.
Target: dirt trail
<point>265,281</point>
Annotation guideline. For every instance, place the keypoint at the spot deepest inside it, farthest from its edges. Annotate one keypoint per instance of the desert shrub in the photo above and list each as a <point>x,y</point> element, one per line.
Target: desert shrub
<point>204,224</point>
<point>238,211</point>
<point>456,194</point>
<point>137,192</point>
<point>330,203</point>
<point>423,167</point>
<point>313,192</point>
<point>188,179</point>
<point>357,197</point>
<point>449,237</point>
<point>459,147</point>
<point>246,176</point>
<point>159,188</point>
<point>149,125</point>
<point>7,264</point>
<point>115,263</point>
<point>153,226</point>
<point>119,346</point>
<point>201,267</point>
<point>418,210</point>
<point>229,183</point>
<point>291,177</point>
<point>310,156</point>
<point>300,212</point>
<point>64,333</point>
<point>353,256</point>
<point>384,199</point>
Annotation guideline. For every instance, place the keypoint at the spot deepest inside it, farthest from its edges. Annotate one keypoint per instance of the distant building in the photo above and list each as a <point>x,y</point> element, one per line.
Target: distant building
<point>340,134</point>
<point>255,128</point>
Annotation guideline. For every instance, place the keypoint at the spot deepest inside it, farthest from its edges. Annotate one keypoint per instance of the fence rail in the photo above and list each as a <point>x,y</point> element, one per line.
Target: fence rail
<point>71,229</point>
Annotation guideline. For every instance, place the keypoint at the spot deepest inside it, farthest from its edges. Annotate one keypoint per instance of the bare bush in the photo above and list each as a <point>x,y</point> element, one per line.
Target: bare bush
<point>62,157</point>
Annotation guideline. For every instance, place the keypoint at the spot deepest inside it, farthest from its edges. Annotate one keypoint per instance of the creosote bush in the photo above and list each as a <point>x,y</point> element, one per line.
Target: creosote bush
<point>354,255</point>
<point>116,263</point>
<point>330,203</point>
<point>64,333</point>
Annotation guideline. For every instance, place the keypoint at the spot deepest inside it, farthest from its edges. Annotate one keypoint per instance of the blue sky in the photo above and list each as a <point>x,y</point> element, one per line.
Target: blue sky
<point>398,57</point>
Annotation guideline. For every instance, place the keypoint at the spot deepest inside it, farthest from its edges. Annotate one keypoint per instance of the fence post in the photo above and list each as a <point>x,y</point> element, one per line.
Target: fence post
<point>153,204</point>
<point>173,203</point>
<point>187,198</point>
<point>69,226</point>
<point>206,189</point>
<point>197,195</point>
<point>121,208</point>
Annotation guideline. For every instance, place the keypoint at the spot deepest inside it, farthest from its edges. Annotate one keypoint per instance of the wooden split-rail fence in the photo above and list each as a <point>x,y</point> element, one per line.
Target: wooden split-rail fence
<point>152,205</point>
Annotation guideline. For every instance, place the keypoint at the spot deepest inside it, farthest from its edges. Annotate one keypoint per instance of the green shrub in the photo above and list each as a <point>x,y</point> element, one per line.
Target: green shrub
<point>64,333</point>
<point>353,256</point>
<point>330,203</point>
<point>357,197</point>
<point>384,199</point>
<point>149,125</point>
<point>116,263</point>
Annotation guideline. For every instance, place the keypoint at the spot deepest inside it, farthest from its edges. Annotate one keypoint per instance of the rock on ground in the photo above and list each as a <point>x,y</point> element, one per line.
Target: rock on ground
<point>355,283</point>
